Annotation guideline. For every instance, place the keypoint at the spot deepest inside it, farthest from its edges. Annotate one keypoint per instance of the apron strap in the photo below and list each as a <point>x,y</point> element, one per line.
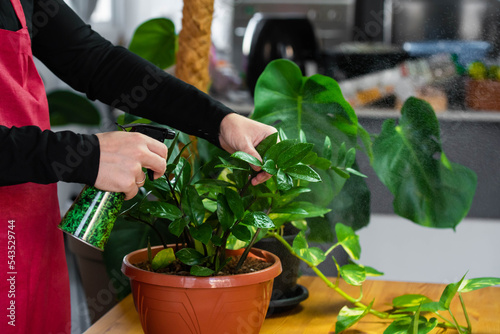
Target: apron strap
<point>18,8</point>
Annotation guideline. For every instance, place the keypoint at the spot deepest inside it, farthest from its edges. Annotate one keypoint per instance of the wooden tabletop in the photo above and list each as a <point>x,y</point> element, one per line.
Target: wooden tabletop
<point>317,314</point>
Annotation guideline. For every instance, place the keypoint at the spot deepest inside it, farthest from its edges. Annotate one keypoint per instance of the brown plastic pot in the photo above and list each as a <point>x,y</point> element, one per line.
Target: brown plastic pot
<point>201,305</point>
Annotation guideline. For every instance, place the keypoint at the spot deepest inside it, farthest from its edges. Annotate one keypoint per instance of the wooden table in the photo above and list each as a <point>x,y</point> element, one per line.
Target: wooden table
<point>317,314</point>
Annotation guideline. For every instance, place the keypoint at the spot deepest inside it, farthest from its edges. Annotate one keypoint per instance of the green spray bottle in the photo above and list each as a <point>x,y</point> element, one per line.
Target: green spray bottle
<point>92,215</point>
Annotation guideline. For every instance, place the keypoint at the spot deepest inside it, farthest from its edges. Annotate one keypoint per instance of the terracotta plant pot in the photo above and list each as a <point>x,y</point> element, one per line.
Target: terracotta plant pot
<point>201,305</point>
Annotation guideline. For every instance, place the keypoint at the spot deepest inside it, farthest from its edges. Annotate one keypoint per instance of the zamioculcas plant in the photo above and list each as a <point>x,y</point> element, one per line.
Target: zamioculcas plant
<point>206,213</point>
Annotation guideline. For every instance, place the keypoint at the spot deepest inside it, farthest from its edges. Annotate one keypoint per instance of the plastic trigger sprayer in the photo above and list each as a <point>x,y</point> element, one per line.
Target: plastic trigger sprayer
<point>92,215</point>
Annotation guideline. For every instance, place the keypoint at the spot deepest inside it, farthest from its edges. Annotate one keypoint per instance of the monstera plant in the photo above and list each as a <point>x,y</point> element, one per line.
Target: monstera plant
<point>406,156</point>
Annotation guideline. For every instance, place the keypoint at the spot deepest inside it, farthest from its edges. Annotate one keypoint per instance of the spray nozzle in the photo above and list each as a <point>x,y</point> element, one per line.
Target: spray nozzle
<point>153,131</point>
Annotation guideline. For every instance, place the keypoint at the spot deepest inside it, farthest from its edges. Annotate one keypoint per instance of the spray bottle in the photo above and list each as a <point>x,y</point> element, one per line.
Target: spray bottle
<point>92,215</point>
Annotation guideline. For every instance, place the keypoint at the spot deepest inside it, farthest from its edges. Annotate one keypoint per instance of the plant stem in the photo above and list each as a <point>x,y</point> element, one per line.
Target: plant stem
<point>448,323</point>
<point>382,315</point>
<point>469,325</point>
<point>247,250</point>
<point>173,192</point>
<point>455,322</point>
<point>153,227</point>
<point>331,249</point>
<point>249,182</point>
<point>222,249</point>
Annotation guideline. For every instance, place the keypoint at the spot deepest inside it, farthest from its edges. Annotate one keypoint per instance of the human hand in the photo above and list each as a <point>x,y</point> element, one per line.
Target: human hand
<point>239,133</point>
<point>123,155</point>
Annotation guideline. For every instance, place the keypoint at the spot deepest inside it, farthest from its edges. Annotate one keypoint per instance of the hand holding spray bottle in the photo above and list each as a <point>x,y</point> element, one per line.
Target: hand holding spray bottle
<point>92,216</point>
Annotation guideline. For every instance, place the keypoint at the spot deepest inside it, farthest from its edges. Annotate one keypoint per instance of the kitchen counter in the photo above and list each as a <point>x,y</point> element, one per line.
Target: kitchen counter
<point>317,314</point>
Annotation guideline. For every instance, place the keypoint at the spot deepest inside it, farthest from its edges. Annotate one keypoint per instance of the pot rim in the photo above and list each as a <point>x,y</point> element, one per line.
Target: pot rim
<point>137,274</point>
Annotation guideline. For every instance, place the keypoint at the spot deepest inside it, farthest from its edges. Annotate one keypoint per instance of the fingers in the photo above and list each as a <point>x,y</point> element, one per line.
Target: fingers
<point>239,133</point>
<point>122,159</point>
<point>261,178</point>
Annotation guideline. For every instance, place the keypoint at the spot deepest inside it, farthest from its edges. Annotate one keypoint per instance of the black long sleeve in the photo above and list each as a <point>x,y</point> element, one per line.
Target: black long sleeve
<point>31,155</point>
<point>92,65</point>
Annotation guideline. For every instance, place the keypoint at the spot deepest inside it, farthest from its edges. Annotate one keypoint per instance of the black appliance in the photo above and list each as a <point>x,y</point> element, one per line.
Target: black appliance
<point>272,36</point>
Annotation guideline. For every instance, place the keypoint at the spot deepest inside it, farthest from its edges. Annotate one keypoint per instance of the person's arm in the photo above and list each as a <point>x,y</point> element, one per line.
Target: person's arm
<point>111,161</point>
<point>115,76</point>
<point>31,155</point>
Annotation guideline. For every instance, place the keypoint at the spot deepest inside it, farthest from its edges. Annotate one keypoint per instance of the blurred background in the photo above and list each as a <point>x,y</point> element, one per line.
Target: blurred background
<point>381,52</point>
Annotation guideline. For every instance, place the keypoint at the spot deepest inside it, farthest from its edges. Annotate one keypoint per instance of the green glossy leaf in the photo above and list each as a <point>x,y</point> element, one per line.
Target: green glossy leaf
<point>341,154</point>
<point>293,155</point>
<point>247,158</point>
<point>348,317</point>
<point>409,300</point>
<point>366,139</point>
<point>192,205</point>
<point>348,240</point>
<point>224,213</point>
<point>290,195</point>
<point>301,225</point>
<point>300,242</point>
<point>321,163</point>
<point>327,148</point>
<point>66,107</point>
<point>182,174</point>
<point>227,164</point>
<point>155,40</point>
<point>340,172</point>
<point>190,256</point>
<point>296,211</point>
<point>353,274</point>
<point>302,137</point>
<point>478,283</point>
<point>177,226</point>
<point>241,232</point>
<point>355,172</point>
<point>284,181</point>
<point>258,219</point>
<point>282,134</point>
<point>449,293</point>
<point>201,271</point>
<point>163,258</point>
<point>303,172</point>
<point>372,271</point>
<point>405,326</point>
<point>425,190</point>
<point>426,307</point>
<point>312,254</point>
<point>235,203</point>
<point>351,207</point>
<point>274,151</point>
<point>270,167</point>
<point>267,143</point>
<point>202,233</point>
<point>311,159</point>
<point>160,183</point>
<point>350,157</point>
<point>161,210</point>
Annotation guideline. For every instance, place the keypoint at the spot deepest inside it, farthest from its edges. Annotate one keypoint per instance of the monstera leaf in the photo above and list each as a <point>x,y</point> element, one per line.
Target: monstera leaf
<point>313,104</point>
<point>428,189</point>
<point>155,40</point>
<point>315,107</point>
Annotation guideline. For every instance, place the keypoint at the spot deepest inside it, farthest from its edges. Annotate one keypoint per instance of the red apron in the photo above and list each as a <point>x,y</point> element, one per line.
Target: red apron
<point>34,284</point>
